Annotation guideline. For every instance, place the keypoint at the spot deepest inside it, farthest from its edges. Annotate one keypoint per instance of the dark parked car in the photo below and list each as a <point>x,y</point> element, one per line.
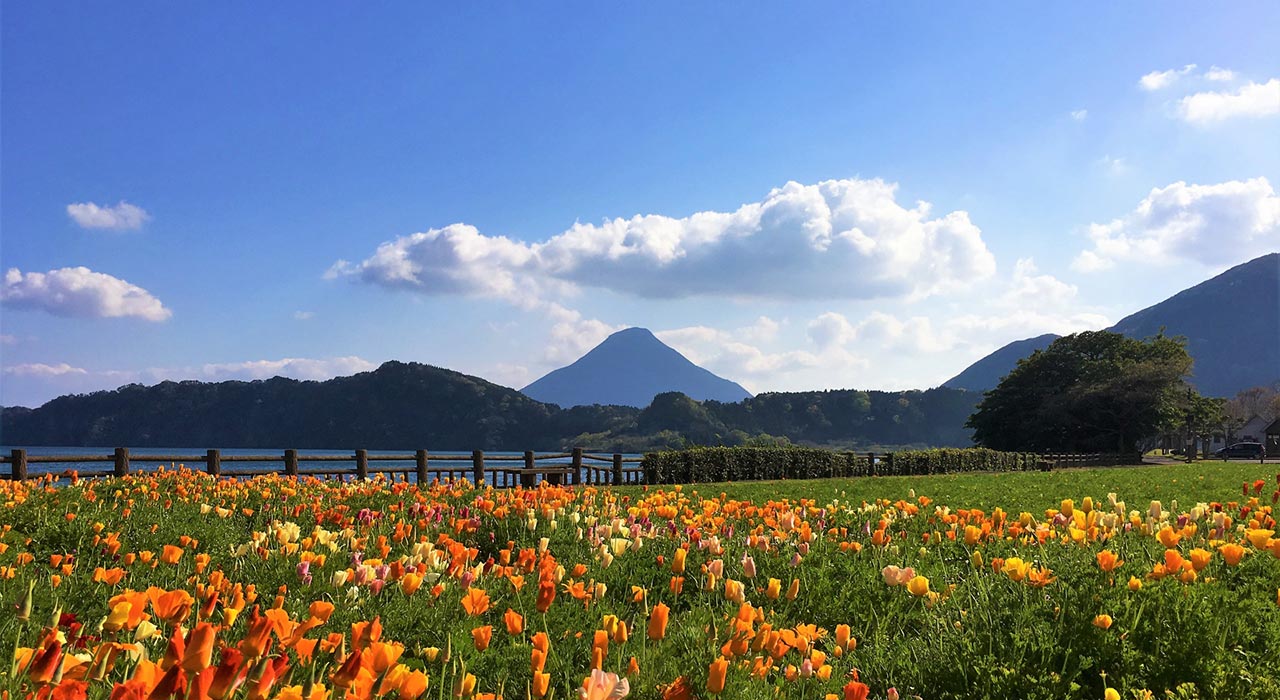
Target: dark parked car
<point>1244,450</point>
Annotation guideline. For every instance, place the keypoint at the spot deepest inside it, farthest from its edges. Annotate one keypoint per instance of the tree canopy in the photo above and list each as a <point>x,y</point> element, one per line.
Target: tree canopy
<point>1094,391</point>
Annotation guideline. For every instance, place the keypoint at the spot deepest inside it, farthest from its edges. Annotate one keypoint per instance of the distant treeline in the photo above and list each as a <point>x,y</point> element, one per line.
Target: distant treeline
<point>409,405</point>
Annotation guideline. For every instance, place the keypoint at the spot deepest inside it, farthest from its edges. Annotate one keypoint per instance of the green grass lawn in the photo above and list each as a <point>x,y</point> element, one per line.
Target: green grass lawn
<point>1030,491</point>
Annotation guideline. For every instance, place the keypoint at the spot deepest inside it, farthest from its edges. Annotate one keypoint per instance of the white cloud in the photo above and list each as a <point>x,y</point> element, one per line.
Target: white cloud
<point>727,353</point>
<point>881,330</point>
<point>510,375</point>
<point>1113,166</point>
<point>39,369</point>
<point>764,329</point>
<point>32,384</point>
<point>304,368</point>
<point>1030,288</point>
<point>6,339</point>
<point>831,329</point>
<point>304,315</point>
<point>1157,80</point>
<point>79,291</point>
<point>1213,225</point>
<point>1220,75</point>
<point>295,367</point>
<point>836,239</point>
<point>1080,114</point>
<point>1250,100</point>
<point>121,217</point>
<point>571,335</point>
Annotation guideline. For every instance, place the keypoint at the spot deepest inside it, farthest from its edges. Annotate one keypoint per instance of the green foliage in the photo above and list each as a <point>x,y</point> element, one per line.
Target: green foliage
<point>702,464</point>
<point>749,464</point>
<point>1088,392</point>
<point>955,461</point>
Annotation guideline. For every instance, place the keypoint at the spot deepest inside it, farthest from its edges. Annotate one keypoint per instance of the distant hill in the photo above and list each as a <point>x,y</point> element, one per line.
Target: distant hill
<point>987,372</point>
<point>398,405</point>
<point>628,369</point>
<point>1231,323</point>
<point>408,406</point>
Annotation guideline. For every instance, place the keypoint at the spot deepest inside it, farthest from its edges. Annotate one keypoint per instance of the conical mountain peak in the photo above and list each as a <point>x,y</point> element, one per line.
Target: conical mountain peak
<point>629,368</point>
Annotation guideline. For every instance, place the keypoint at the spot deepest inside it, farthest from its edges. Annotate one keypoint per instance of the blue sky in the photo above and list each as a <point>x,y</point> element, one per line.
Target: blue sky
<point>202,192</point>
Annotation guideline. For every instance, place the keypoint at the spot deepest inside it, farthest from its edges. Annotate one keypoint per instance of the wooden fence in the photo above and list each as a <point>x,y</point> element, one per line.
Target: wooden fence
<point>499,470</point>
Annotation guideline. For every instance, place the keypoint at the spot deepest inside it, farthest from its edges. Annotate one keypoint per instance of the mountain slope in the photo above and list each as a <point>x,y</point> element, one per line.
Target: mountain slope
<point>987,372</point>
<point>398,405</point>
<point>1231,323</point>
<point>628,369</point>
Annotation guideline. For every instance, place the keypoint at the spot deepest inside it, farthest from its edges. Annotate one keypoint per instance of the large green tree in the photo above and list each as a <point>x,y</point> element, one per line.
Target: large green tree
<point>1090,392</point>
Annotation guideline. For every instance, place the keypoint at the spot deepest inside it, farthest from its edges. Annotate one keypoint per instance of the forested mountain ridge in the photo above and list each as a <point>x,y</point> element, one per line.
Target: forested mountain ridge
<point>409,405</point>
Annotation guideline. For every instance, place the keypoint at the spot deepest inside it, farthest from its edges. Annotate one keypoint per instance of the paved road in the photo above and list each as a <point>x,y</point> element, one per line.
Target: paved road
<point>1153,459</point>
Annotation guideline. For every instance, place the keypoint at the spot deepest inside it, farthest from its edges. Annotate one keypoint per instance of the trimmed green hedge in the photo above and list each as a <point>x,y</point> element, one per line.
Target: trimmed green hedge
<point>954,460</point>
<point>703,464</point>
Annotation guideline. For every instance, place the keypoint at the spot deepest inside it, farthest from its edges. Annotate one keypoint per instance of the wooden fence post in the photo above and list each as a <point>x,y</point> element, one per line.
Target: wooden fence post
<point>528,478</point>
<point>477,467</point>
<point>122,461</point>
<point>871,463</point>
<point>576,477</point>
<point>362,464</point>
<point>617,469</point>
<point>291,462</point>
<point>420,465</point>
<point>888,459</point>
<point>18,464</point>
<point>213,463</point>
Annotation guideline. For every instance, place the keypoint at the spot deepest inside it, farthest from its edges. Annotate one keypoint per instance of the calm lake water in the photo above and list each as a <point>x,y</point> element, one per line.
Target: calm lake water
<point>136,452</point>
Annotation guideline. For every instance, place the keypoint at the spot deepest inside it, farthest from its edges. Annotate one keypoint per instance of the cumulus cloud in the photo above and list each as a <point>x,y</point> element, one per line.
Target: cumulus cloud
<point>1219,75</point>
<point>831,329</point>
<point>1210,224</point>
<point>39,369</point>
<point>881,330</point>
<point>1028,287</point>
<point>1158,80</point>
<point>1250,100</point>
<point>81,292</point>
<point>1080,114</point>
<point>121,217</point>
<point>305,368</point>
<point>295,367</point>
<point>836,239</point>
<point>736,354</point>
<point>571,334</point>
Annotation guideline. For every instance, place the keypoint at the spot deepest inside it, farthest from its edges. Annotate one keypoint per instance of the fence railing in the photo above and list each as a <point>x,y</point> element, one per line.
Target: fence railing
<point>500,470</point>
<point>527,469</point>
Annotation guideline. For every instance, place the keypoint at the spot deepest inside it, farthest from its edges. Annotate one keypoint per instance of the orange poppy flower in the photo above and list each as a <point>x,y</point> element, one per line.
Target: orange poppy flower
<point>476,601</point>
<point>172,606</point>
<point>716,675</point>
<point>658,621</point>
<point>513,621</point>
<point>1109,561</point>
<point>171,554</point>
<point>481,637</point>
<point>199,652</point>
<point>541,684</point>
<point>546,595</point>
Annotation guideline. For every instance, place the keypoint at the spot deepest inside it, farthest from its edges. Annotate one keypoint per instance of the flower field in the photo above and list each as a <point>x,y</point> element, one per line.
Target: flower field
<point>175,584</point>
